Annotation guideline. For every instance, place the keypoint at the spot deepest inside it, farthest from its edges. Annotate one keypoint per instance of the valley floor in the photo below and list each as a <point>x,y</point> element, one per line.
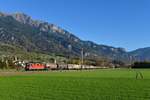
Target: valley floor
<point>104,84</point>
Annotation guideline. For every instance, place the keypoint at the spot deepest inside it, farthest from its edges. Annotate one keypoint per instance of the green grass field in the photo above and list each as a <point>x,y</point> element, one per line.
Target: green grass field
<point>75,85</point>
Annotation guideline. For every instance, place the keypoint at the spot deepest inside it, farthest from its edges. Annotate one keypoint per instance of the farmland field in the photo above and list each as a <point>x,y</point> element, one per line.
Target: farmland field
<point>107,84</point>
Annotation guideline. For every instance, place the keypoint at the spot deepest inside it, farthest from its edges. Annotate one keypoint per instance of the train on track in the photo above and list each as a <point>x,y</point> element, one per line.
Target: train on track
<point>35,66</point>
<point>30,66</point>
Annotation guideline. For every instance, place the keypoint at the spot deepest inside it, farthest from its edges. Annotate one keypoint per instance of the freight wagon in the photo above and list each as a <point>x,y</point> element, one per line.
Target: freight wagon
<point>50,66</point>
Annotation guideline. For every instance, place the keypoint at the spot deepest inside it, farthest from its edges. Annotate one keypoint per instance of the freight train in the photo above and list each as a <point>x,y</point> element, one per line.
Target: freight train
<point>30,66</point>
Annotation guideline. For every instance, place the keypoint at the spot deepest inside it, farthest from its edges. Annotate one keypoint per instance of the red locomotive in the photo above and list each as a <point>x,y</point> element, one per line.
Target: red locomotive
<point>35,66</point>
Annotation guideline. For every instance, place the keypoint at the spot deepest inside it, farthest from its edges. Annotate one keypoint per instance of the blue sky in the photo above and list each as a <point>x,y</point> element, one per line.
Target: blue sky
<point>119,23</point>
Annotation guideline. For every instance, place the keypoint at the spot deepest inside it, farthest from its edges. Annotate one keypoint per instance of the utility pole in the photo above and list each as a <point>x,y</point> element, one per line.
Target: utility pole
<point>82,58</point>
<point>69,57</point>
<point>2,58</point>
<point>16,59</point>
<point>55,61</point>
<point>6,63</point>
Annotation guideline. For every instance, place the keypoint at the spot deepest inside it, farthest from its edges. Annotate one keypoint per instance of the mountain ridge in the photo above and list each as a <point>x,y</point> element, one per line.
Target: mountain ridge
<point>31,35</point>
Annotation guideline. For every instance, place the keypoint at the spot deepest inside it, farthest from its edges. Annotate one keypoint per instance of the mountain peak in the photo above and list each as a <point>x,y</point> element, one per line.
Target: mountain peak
<point>3,14</point>
<point>21,17</point>
<point>43,26</point>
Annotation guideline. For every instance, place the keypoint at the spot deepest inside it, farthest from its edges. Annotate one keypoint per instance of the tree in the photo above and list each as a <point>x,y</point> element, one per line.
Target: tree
<point>2,64</point>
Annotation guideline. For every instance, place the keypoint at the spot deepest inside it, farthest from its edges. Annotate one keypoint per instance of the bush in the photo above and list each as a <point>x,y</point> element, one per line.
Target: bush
<point>141,65</point>
<point>2,65</point>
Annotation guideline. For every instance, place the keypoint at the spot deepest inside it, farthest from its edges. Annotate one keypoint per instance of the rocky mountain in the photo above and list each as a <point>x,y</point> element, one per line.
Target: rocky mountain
<point>142,54</point>
<point>19,33</point>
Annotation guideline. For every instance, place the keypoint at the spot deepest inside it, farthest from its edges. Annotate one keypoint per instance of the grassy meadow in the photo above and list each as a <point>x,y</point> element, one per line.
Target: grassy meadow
<point>108,84</point>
